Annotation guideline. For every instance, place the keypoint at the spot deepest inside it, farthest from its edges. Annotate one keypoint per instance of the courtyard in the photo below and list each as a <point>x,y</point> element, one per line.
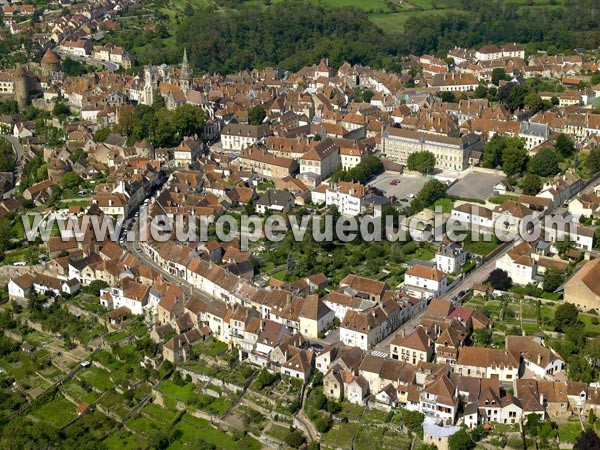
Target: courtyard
<point>475,185</point>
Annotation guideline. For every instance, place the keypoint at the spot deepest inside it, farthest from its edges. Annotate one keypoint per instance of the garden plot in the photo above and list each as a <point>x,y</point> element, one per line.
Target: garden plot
<point>57,412</point>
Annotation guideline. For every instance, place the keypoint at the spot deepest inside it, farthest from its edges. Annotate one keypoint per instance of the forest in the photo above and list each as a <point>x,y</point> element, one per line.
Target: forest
<point>290,34</point>
<point>294,33</point>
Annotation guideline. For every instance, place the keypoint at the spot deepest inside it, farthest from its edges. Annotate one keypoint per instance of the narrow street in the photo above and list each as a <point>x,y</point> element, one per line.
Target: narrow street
<point>188,289</point>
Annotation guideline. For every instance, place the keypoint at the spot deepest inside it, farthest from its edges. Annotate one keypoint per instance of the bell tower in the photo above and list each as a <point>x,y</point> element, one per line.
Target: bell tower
<point>185,79</point>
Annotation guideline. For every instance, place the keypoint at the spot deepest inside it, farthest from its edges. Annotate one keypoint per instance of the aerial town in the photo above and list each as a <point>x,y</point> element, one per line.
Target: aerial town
<point>424,342</point>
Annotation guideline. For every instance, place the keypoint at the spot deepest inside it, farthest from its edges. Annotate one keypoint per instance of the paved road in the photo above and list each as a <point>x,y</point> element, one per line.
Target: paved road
<point>408,327</point>
<point>111,66</point>
<point>188,289</point>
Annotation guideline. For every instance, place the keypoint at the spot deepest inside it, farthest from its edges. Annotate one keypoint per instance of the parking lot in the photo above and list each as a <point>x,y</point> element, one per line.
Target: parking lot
<point>475,185</point>
<point>407,184</point>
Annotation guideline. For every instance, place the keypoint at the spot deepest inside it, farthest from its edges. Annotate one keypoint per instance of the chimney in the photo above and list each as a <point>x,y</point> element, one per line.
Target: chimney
<point>539,359</point>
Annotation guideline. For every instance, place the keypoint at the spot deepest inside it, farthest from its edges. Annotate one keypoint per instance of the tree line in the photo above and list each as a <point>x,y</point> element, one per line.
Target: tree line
<point>235,36</point>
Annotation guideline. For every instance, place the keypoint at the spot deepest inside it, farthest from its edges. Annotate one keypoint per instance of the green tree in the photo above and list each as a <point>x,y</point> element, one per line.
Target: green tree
<point>499,279</point>
<point>565,316</point>
<point>461,440</point>
<point>73,68</point>
<point>481,91</point>
<point>361,173</point>
<point>294,439</point>
<point>77,154</point>
<point>94,287</point>
<point>188,120</point>
<point>532,424</point>
<point>60,110</point>
<point>553,278</point>
<point>482,337</point>
<point>164,134</point>
<point>447,97</point>
<point>432,191</point>
<point>9,107</point>
<point>493,151</point>
<point>544,163</point>
<point>7,156</point>
<point>564,245</point>
<point>531,184</point>
<point>413,420</point>
<point>158,102</point>
<point>514,160</point>
<point>592,352</point>
<point>102,134</point>
<point>534,101</point>
<point>159,440</point>
<point>367,95</point>
<point>256,115</point>
<point>579,368</point>
<point>592,163</point>
<point>564,145</point>
<point>423,162</point>
<point>498,74</point>
<point>70,180</point>
<point>588,440</point>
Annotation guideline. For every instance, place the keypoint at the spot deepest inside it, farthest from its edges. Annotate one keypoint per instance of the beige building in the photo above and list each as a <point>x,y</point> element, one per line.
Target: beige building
<point>414,348</point>
<point>267,165</point>
<point>482,362</point>
<point>451,153</point>
<point>315,317</point>
<point>321,159</point>
<point>583,289</point>
<point>7,82</point>
<point>237,136</point>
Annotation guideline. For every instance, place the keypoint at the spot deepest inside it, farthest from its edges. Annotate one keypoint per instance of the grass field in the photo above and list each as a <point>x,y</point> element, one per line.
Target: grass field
<point>394,23</point>
<point>278,432</point>
<point>190,428</point>
<point>479,246</point>
<point>99,378</point>
<point>124,440</point>
<point>58,412</point>
<point>569,432</point>
<point>340,435</point>
<point>445,203</point>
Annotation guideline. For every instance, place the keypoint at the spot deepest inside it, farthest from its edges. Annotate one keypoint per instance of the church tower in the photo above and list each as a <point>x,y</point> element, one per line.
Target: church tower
<point>150,85</point>
<point>185,79</point>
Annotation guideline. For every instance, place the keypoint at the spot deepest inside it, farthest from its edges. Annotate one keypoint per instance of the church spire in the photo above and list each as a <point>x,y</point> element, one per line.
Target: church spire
<point>186,73</point>
<point>185,79</point>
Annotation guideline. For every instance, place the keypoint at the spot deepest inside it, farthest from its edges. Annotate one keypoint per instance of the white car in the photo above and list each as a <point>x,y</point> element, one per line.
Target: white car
<point>411,195</point>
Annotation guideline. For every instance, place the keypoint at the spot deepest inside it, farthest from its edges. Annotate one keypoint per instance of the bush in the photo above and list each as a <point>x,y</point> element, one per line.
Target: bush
<point>295,439</point>
<point>499,279</point>
<point>322,424</point>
